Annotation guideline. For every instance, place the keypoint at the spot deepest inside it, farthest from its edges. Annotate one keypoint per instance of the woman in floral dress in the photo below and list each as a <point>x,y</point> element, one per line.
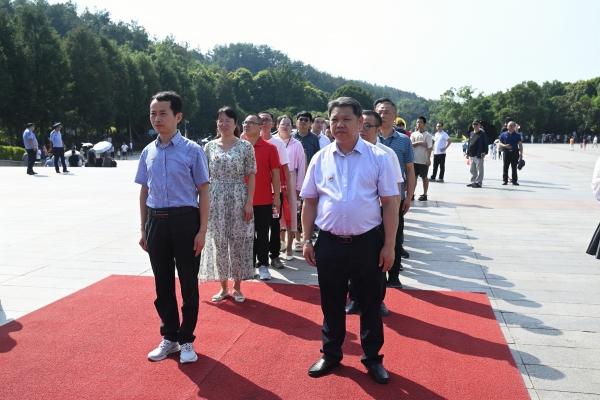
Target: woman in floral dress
<point>232,167</point>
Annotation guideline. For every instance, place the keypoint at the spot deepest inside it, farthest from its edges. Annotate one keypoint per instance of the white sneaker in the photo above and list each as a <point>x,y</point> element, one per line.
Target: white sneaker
<point>263,273</point>
<point>165,348</point>
<point>297,246</point>
<point>187,354</point>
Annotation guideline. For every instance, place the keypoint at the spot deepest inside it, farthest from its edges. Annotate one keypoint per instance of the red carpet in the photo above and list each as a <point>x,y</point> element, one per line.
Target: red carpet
<point>93,345</point>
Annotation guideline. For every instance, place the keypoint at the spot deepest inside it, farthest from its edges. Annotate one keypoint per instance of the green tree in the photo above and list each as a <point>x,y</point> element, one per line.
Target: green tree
<point>356,92</point>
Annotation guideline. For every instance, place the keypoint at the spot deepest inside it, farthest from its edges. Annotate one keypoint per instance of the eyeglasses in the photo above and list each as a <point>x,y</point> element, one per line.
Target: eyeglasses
<point>250,123</point>
<point>369,126</point>
<point>303,119</point>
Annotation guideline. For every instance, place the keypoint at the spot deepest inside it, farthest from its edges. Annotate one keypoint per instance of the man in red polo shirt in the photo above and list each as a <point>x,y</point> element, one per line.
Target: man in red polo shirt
<point>266,193</point>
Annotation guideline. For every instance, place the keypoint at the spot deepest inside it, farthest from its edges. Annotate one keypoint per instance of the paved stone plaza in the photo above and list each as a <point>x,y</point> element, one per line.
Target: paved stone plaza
<point>524,246</point>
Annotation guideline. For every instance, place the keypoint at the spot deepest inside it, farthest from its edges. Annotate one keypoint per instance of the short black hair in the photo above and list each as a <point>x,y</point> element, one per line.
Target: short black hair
<point>372,113</point>
<point>422,118</point>
<point>270,114</point>
<point>384,100</point>
<point>345,102</point>
<point>305,114</point>
<point>172,97</point>
<point>441,123</point>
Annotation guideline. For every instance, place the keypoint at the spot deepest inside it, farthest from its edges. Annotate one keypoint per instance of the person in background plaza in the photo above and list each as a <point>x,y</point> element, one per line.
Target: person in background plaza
<point>58,147</point>
<point>402,146</point>
<point>124,150</point>
<point>400,126</point>
<point>441,142</point>
<point>422,143</point>
<point>478,147</point>
<point>174,206</point>
<point>310,143</point>
<point>595,142</point>
<point>91,159</point>
<point>266,200</point>
<point>572,143</point>
<point>584,141</point>
<point>369,132</point>
<point>31,146</point>
<point>318,128</point>
<point>349,172</point>
<point>328,134</point>
<point>267,121</point>
<point>75,159</point>
<point>512,149</point>
<point>230,237</point>
<point>594,246</point>
<point>297,169</point>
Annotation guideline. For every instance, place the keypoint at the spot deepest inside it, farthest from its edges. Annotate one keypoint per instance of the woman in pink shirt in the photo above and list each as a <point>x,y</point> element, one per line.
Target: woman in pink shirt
<point>297,167</point>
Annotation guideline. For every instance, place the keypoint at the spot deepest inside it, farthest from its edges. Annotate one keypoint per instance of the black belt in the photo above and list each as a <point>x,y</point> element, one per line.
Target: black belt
<point>347,239</point>
<point>170,212</point>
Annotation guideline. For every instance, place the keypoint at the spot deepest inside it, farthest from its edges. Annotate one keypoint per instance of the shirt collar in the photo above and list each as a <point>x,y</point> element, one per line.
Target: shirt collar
<point>175,140</point>
<point>394,134</point>
<point>360,147</point>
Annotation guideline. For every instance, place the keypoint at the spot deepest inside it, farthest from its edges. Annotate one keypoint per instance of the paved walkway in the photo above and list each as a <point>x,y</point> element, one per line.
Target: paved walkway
<point>524,246</point>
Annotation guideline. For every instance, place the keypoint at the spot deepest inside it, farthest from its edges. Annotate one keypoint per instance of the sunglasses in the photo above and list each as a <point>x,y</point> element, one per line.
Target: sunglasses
<point>303,119</point>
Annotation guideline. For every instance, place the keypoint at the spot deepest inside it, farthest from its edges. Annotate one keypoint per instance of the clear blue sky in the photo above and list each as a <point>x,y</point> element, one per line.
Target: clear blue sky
<point>424,46</point>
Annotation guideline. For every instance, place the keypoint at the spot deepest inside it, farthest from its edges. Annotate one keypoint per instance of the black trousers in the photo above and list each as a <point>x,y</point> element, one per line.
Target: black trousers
<point>170,237</point>
<point>337,262</point>
<point>510,158</point>
<point>263,216</point>
<point>59,152</point>
<point>275,237</point>
<point>439,160</point>
<point>31,156</point>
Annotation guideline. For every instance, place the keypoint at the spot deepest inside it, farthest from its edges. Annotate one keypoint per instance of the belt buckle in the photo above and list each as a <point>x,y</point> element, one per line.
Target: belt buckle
<point>345,239</point>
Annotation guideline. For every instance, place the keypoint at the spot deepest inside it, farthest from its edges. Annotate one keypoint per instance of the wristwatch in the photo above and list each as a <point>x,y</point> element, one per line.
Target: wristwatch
<point>308,241</point>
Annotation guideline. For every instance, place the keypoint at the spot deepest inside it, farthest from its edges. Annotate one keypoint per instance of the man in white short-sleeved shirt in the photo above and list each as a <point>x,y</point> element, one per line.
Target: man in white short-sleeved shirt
<point>266,119</point>
<point>441,142</point>
<point>348,174</point>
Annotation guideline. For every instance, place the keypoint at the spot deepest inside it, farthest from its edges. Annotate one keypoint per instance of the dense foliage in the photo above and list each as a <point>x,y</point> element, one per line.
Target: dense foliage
<point>96,76</point>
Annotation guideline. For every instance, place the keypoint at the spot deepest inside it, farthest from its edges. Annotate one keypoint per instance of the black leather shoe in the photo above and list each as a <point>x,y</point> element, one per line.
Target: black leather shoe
<point>352,307</point>
<point>65,171</point>
<point>378,374</point>
<point>505,183</point>
<point>322,367</point>
<point>404,253</point>
<point>516,183</point>
<point>384,310</point>
<point>394,283</point>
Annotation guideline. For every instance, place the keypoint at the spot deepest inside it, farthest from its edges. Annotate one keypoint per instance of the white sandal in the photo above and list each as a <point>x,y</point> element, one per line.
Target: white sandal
<point>219,297</point>
<point>238,296</point>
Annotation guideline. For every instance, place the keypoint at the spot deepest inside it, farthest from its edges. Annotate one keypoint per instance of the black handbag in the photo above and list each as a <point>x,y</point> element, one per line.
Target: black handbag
<point>593,246</point>
<point>520,164</point>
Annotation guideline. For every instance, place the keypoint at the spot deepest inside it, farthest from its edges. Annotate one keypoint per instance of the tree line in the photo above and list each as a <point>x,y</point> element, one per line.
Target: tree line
<point>96,77</point>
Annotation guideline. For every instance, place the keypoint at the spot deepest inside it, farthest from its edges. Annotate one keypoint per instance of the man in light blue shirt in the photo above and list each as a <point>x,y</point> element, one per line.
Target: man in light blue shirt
<point>173,174</point>
<point>58,147</point>
<point>31,146</point>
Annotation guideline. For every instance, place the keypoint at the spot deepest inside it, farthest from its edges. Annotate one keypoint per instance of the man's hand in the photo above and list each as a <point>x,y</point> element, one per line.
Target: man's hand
<point>199,243</point>
<point>143,243</point>
<point>386,258</point>
<point>405,206</point>
<point>308,251</point>
<point>277,203</point>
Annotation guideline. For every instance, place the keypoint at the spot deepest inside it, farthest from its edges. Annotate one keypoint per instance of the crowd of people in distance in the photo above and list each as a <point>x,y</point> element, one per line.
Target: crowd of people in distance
<point>54,155</point>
